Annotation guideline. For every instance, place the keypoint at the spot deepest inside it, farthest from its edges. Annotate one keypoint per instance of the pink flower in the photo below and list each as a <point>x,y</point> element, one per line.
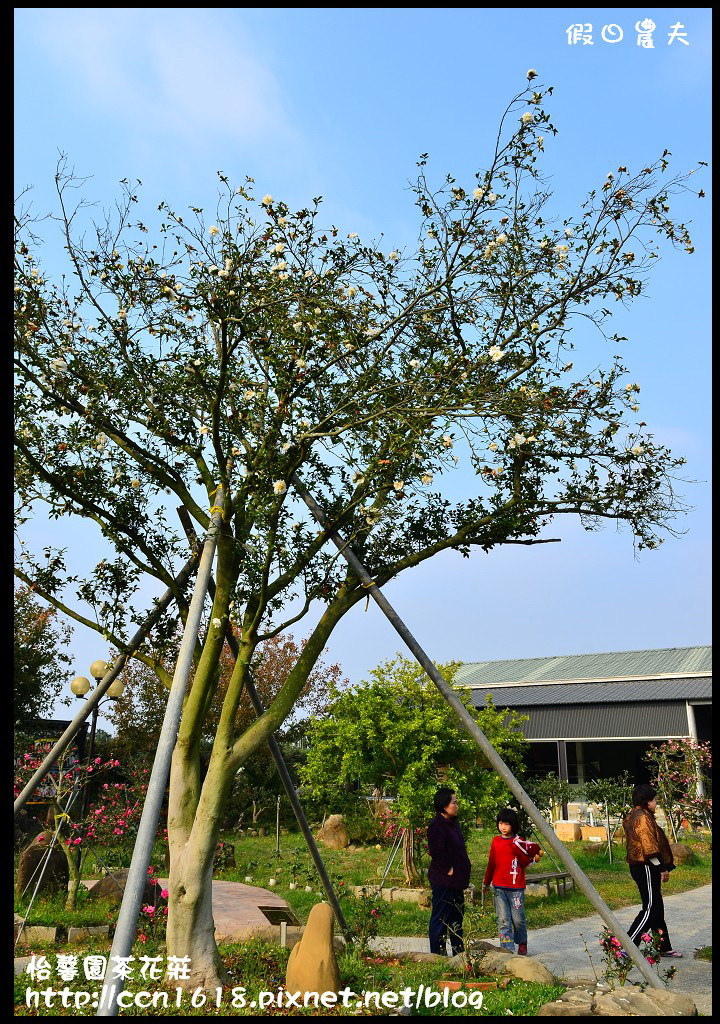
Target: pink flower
<point>646,937</point>
<point>143,938</point>
<point>650,960</point>
<point>98,760</point>
<point>149,910</point>
<point>77,842</point>
<point>164,893</point>
<point>151,870</point>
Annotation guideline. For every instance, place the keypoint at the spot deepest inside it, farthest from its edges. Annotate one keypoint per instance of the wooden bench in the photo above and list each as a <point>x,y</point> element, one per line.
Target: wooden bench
<point>559,878</point>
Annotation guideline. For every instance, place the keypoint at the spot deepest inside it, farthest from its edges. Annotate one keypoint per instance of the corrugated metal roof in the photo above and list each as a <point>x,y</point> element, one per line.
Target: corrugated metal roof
<point>607,722</point>
<point>613,664</point>
<point>647,690</point>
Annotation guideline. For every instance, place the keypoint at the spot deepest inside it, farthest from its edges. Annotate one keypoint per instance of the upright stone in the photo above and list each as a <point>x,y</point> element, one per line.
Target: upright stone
<point>32,862</point>
<point>312,966</point>
<point>334,834</point>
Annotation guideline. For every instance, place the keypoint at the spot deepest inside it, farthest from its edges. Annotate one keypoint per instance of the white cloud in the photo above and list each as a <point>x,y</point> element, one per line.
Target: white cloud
<point>179,72</point>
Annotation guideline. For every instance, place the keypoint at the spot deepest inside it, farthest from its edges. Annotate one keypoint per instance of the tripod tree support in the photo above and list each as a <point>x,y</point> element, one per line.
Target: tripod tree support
<point>278,758</point>
<point>471,727</point>
<point>104,685</point>
<point>142,851</point>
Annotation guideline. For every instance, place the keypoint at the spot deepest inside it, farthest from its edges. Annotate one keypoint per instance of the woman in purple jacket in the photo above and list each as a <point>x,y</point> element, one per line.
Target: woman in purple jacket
<point>448,874</point>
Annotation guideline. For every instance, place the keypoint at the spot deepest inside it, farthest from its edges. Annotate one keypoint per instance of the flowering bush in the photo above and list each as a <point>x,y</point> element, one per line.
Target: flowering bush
<point>367,912</point>
<point>681,770</point>
<point>618,964</point>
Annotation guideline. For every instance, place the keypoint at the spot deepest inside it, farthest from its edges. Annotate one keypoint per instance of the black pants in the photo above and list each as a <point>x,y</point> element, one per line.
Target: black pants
<point>448,907</point>
<point>652,916</point>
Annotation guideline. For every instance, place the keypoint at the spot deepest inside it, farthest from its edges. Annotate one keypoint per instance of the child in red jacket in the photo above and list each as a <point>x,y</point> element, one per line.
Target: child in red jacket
<point>510,854</point>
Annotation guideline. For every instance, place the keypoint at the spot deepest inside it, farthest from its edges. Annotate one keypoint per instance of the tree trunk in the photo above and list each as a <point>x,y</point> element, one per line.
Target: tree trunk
<point>412,875</point>
<point>190,928</point>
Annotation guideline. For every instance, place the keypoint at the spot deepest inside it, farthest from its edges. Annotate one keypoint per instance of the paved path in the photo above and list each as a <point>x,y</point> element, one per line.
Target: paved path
<point>560,947</point>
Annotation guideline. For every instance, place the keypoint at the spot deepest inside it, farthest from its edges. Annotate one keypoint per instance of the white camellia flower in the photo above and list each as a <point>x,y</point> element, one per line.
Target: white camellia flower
<point>221,273</point>
<point>393,256</point>
<point>286,446</point>
<point>353,234</point>
<point>279,487</point>
<point>495,353</point>
<point>351,291</point>
<point>308,273</point>
<point>526,118</point>
<point>501,239</point>
<point>489,250</point>
<point>398,484</point>
<point>279,247</point>
<point>267,200</point>
<point>491,197</point>
<point>298,325</point>
<point>414,362</point>
<point>248,394</point>
<point>493,446</point>
<point>217,623</point>
<point>213,230</point>
<point>638,449</point>
<point>479,192</point>
<point>569,232</point>
<point>532,73</point>
<point>300,363</point>
<point>135,484</point>
<point>204,430</point>
<point>535,326</point>
<point>447,441</point>
<point>427,478</point>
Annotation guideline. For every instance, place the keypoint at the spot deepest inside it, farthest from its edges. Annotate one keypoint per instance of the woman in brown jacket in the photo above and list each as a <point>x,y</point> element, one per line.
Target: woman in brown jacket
<point>651,861</point>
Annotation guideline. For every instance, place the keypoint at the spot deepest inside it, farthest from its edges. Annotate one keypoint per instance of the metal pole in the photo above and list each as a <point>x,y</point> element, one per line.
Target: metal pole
<point>277,827</point>
<point>103,686</point>
<point>472,728</point>
<point>142,851</point>
<point>83,798</point>
<point>279,760</point>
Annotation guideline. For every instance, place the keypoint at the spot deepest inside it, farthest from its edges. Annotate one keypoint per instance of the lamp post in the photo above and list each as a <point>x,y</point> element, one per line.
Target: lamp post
<point>80,686</point>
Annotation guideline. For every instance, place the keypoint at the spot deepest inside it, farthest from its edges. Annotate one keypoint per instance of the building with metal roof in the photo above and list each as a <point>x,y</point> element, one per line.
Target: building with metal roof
<point>595,715</point>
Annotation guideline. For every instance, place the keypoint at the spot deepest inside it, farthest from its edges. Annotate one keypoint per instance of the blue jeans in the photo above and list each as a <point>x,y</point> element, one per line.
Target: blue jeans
<point>510,913</point>
<point>448,906</point>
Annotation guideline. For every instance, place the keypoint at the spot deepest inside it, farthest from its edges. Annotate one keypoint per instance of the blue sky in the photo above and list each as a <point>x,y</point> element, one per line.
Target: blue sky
<point>341,103</point>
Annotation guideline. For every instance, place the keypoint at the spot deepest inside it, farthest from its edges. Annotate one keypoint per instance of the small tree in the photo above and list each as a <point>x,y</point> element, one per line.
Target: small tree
<point>550,791</point>
<point>39,661</point>
<point>681,770</point>
<point>395,734</point>
<point>614,796</point>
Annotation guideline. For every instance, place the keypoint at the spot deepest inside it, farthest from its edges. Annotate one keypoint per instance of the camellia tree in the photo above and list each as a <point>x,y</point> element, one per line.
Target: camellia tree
<point>215,360</point>
<point>396,734</point>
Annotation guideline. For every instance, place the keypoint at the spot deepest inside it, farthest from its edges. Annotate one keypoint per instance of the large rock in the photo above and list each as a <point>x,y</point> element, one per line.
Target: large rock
<point>626,1001</point>
<point>55,872</point>
<point>576,1002</point>
<point>334,833</point>
<point>629,1001</point>
<point>312,966</point>
<point>112,887</point>
<point>27,828</point>
<point>682,854</point>
<point>527,968</point>
<point>495,961</point>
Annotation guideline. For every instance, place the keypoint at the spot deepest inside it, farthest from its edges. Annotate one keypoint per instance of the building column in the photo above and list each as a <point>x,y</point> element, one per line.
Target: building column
<point>692,729</point>
<point>563,769</point>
